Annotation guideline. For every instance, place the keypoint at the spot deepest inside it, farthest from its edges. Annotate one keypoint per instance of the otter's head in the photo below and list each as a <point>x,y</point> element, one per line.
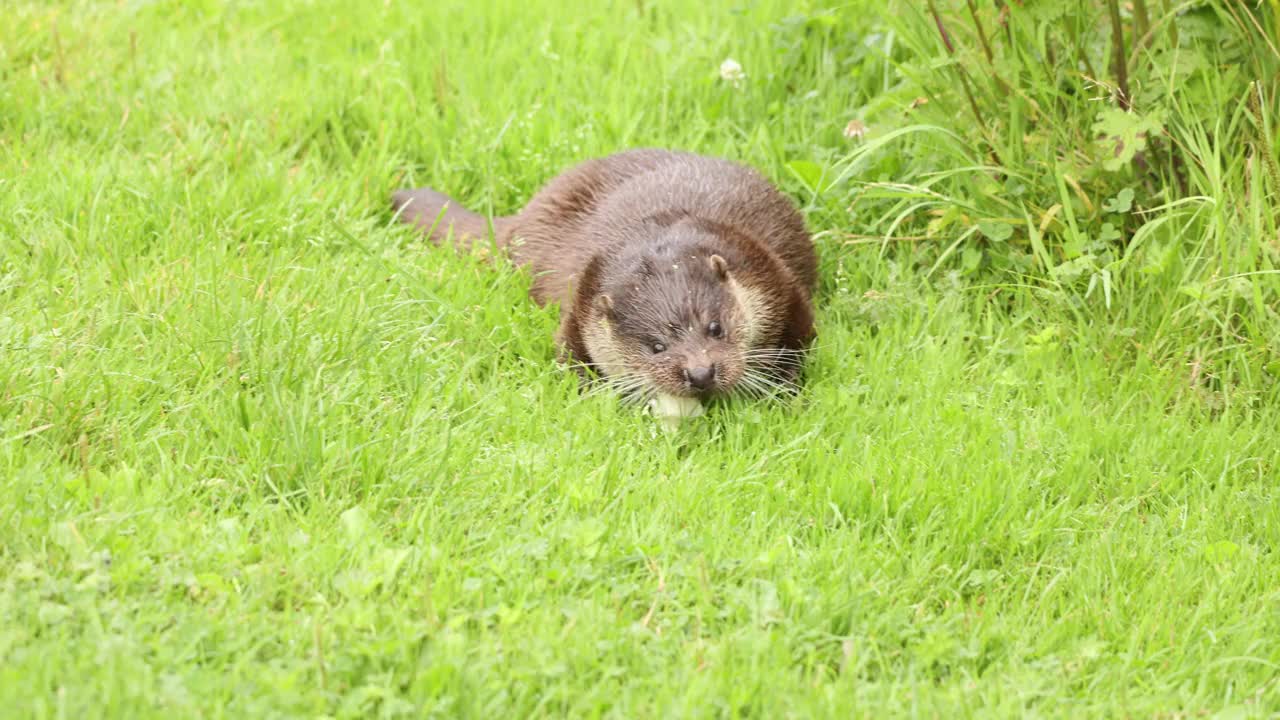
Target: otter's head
<point>673,321</point>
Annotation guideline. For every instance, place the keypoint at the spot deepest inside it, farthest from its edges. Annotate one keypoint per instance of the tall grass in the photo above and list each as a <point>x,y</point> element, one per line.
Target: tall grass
<point>1121,160</point>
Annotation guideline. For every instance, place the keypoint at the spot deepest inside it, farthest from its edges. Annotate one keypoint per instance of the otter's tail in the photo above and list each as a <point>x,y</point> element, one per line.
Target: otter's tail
<point>436,214</point>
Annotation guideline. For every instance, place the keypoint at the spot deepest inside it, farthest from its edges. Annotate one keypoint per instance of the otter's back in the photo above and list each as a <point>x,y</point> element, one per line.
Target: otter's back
<point>593,205</point>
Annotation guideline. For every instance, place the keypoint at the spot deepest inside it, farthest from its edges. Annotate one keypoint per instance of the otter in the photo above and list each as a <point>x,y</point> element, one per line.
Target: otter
<point>679,276</point>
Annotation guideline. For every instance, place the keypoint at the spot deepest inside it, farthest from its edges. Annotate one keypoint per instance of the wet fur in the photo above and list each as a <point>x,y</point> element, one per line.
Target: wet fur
<point>655,242</point>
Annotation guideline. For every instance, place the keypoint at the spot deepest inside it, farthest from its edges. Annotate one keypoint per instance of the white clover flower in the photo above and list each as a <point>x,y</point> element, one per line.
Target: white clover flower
<point>855,129</point>
<point>731,72</point>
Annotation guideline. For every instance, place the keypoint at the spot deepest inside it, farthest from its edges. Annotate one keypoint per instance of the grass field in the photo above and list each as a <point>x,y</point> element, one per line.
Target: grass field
<point>264,454</point>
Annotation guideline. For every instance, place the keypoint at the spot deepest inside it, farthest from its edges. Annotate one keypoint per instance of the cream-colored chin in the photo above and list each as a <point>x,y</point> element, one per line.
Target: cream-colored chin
<point>671,409</point>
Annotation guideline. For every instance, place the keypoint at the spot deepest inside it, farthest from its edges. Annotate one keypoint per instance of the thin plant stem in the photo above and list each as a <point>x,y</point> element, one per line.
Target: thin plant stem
<point>964,77</point>
<point>1119,62</point>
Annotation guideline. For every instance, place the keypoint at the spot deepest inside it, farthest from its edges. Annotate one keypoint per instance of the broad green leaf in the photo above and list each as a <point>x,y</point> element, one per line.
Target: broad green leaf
<point>995,231</point>
<point>1125,134</point>
<point>1072,269</point>
<point>1121,203</point>
<point>809,173</point>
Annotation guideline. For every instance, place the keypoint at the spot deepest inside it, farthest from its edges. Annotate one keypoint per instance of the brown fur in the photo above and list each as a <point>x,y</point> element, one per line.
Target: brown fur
<point>654,245</point>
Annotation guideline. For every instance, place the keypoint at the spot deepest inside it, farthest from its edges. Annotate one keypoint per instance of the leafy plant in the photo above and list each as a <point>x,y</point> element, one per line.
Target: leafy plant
<point>1096,149</point>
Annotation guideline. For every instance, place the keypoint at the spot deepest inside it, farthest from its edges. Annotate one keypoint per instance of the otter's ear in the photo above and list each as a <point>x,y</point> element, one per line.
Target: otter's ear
<point>604,305</point>
<point>719,266</point>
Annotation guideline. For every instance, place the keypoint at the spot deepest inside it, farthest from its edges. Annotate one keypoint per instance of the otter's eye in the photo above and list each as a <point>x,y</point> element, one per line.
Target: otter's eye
<point>658,347</point>
<point>714,329</point>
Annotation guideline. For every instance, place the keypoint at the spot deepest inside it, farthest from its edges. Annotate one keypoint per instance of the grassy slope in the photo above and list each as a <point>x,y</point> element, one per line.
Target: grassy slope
<point>262,453</point>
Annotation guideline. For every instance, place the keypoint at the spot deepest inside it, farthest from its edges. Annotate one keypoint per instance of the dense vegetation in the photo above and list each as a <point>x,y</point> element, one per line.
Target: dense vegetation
<point>265,454</point>
<point>1121,162</point>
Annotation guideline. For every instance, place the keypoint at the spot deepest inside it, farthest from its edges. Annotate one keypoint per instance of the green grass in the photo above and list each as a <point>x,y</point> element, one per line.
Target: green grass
<point>264,454</point>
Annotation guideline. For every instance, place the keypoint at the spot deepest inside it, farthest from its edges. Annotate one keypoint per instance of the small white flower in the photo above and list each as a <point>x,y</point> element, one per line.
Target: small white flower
<point>731,72</point>
<point>855,129</point>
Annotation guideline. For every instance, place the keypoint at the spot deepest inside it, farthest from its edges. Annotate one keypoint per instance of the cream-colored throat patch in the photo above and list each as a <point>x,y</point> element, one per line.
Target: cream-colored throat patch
<point>672,409</point>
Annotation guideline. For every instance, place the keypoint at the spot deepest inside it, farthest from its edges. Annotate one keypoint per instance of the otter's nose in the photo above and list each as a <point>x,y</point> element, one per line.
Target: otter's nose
<point>701,377</point>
